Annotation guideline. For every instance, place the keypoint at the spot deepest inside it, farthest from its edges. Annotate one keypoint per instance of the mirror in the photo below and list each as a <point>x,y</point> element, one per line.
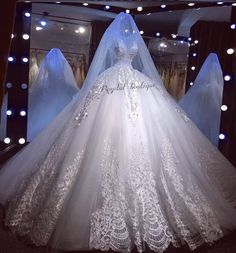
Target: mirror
<point>70,28</point>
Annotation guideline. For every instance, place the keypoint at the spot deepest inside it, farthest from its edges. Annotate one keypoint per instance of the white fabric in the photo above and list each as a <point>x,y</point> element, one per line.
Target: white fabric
<point>52,90</point>
<point>123,166</point>
<point>123,28</point>
<point>202,102</point>
<point>3,123</point>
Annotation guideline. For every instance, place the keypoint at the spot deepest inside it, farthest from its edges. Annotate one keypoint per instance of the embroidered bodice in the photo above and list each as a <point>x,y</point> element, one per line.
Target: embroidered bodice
<point>124,54</point>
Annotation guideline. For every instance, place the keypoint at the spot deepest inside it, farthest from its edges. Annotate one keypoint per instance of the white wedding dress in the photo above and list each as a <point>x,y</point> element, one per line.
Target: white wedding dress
<point>52,90</point>
<point>202,102</point>
<point>3,122</point>
<point>121,167</point>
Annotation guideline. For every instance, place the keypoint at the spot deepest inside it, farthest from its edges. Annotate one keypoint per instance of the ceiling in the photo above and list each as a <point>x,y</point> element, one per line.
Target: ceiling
<point>179,21</point>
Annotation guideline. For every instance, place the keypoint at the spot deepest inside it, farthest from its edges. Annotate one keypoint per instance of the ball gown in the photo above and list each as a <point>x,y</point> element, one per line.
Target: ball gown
<point>122,167</point>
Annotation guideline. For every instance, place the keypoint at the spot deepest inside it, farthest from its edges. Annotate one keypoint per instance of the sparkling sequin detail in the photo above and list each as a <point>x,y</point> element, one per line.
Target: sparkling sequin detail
<point>36,208</point>
<point>187,204</point>
<point>133,207</point>
<point>224,180</point>
<point>108,224</point>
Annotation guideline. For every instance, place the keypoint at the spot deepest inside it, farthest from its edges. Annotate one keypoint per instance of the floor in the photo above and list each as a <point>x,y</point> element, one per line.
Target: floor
<point>10,244</point>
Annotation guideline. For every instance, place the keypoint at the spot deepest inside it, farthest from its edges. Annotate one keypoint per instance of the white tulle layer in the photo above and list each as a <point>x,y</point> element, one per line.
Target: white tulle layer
<point>122,167</point>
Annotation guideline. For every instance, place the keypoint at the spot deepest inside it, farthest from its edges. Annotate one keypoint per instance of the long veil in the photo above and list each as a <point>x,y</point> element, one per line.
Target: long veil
<point>122,28</point>
<point>202,102</point>
<point>52,90</point>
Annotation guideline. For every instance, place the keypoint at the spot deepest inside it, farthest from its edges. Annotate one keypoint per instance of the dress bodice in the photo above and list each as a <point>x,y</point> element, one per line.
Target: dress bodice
<point>125,54</point>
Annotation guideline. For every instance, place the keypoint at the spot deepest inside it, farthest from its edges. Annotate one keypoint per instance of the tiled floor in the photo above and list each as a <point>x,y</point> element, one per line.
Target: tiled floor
<point>10,244</point>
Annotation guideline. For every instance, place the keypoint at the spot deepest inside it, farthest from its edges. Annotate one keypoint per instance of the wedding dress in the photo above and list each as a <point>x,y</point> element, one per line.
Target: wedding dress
<point>202,102</point>
<point>52,90</point>
<point>121,166</point>
<point>3,122</point>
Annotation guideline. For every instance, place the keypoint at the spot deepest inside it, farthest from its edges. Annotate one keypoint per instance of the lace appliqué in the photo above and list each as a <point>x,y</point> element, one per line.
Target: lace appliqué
<point>187,204</point>
<point>220,172</point>
<point>149,223</point>
<point>147,209</point>
<point>36,208</point>
<point>130,207</point>
<point>108,224</point>
<point>92,95</point>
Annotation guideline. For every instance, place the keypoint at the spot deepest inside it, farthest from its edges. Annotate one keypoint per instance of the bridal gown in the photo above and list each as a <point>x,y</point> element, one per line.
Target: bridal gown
<point>52,90</point>
<point>202,102</point>
<point>123,167</point>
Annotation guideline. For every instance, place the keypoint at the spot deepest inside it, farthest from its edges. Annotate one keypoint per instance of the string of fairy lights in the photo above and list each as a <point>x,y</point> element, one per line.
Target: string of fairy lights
<point>43,23</point>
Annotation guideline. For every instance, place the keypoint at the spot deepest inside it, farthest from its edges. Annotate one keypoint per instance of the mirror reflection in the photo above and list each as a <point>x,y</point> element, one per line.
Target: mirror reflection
<point>75,32</point>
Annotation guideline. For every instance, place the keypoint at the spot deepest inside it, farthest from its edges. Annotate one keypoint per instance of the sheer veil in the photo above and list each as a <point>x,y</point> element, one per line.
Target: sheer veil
<point>202,102</point>
<point>52,90</point>
<point>122,28</point>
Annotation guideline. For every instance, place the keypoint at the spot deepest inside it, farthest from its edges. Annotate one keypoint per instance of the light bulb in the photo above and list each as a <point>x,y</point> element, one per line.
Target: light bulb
<point>25,36</point>
<point>25,59</point>
<point>224,108</point>
<point>163,6</point>
<point>227,78</point>
<point>27,14</point>
<point>9,112</point>
<point>22,113</point>
<point>173,35</point>
<point>139,8</point>
<point>9,85</point>
<point>222,136</point>
<point>230,51</point>
<point>7,140</point>
<point>10,59</point>
<point>43,23</point>
<point>38,28</point>
<point>21,140</point>
<point>24,86</point>
<point>81,29</point>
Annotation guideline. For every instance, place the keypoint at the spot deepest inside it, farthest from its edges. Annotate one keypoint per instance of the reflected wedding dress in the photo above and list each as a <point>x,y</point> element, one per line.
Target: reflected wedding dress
<point>202,102</point>
<point>121,167</point>
<point>52,90</point>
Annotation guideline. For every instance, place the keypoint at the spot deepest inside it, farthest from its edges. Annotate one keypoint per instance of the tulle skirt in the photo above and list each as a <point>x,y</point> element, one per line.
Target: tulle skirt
<point>122,167</point>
